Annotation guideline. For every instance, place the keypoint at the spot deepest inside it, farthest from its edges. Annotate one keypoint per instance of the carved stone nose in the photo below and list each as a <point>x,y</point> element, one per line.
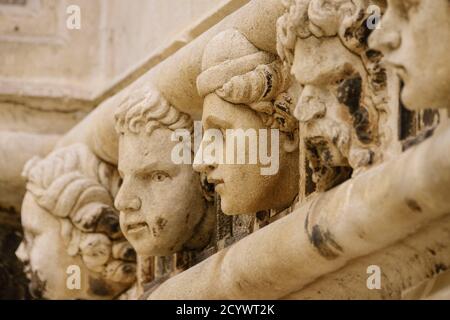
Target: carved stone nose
<point>203,167</point>
<point>128,204</point>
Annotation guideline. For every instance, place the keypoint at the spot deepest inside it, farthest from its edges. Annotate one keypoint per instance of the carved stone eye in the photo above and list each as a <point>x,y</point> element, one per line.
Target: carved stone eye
<point>159,176</point>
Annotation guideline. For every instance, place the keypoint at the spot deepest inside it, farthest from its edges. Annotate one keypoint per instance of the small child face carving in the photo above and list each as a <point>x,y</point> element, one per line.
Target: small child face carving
<point>160,202</point>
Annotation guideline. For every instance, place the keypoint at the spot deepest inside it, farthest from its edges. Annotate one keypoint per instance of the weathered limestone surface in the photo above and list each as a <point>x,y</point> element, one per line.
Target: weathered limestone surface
<point>360,108</point>
<point>409,262</point>
<point>354,219</point>
<point>17,149</point>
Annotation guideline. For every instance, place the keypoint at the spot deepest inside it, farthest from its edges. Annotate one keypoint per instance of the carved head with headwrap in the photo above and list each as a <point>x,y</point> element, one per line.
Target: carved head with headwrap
<point>70,225</point>
<point>246,88</point>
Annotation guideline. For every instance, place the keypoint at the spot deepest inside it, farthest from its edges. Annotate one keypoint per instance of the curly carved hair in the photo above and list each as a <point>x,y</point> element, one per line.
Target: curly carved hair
<point>145,110</point>
<point>75,186</point>
<point>324,18</point>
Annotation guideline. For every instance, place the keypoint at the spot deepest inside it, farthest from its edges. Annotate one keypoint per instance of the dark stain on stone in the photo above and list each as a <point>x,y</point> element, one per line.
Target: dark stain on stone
<point>363,33</point>
<point>99,287</point>
<point>323,241</point>
<point>413,205</point>
<point>108,223</point>
<point>407,120</point>
<point>413,141</point>
<point>349,94</point>
<point>161,223</point>
<point>439,267</point>
<point>373,54</point>
<point>432,251</point>
<point>128,268</point>
<point>268,82</point>
<point>129,255</point>
<point>430,117</point>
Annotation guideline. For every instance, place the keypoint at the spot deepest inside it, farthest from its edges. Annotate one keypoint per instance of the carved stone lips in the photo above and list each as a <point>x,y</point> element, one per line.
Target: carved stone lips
<point>136,227</point>
<point>215,181</point>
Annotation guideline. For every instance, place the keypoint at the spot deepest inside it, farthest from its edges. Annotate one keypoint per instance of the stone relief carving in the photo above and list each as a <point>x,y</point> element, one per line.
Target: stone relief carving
<point>69,220</point>
<point>344,87</point>
<point>246,88</point>
<point>339,98</point>
<point>163,206</point>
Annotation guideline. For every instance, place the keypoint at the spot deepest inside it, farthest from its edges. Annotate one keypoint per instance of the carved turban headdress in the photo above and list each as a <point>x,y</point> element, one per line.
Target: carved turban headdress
<point>239,73</point>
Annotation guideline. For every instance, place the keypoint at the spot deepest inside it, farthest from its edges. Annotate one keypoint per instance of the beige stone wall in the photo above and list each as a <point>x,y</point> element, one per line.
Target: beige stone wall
<point>41,57</point>
<point>52,77</point>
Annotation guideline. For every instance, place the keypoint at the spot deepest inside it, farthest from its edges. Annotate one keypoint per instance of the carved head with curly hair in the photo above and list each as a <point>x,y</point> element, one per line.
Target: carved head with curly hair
<point>325,44</point>
<point>73,247</point>
<point>162,205</point>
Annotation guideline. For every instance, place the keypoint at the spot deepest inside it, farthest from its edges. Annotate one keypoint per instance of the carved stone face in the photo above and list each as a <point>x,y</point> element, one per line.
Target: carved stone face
<point>242,187</point>
<point>160,202</point>
<point>44,254</point>
<point>415,39</point>
<point>337,125</point>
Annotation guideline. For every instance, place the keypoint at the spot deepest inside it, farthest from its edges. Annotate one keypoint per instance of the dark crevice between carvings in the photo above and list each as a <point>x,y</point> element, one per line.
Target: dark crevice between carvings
<point>407,126</point>
<point>13,282</point>
<point>349,94</point>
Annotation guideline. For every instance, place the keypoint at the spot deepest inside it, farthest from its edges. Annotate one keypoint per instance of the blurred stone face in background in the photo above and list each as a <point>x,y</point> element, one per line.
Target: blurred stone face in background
<point>415,39</point>
<point>69,222</point>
